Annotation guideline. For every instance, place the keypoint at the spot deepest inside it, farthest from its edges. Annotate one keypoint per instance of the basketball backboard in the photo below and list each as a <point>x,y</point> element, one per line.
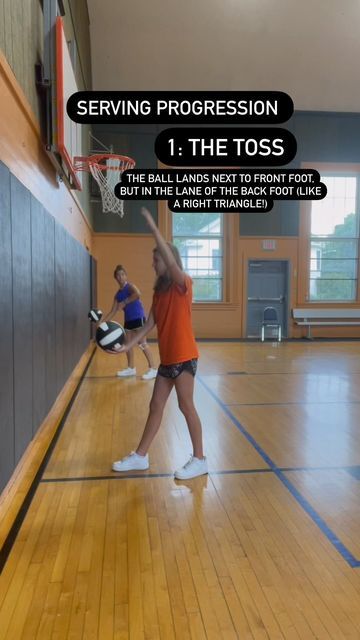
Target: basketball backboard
<point>63,137</point>
<point>67,133</point>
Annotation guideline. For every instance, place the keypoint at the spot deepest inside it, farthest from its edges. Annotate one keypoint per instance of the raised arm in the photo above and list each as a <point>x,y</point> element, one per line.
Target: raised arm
<point>176,273</point>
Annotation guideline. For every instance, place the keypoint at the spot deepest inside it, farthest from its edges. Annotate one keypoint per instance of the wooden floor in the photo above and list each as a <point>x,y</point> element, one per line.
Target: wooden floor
<point>266,546</point>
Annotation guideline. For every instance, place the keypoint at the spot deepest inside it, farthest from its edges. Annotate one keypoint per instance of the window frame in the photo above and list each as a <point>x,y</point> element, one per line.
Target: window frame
<point>222,238</point>
<point>305,237</point>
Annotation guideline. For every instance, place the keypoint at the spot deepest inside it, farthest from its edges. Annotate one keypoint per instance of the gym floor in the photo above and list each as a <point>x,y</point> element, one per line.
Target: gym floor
<point>266,546</point>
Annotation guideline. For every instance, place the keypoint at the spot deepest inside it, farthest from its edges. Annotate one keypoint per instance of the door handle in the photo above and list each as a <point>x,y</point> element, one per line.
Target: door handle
<point>279,299</point>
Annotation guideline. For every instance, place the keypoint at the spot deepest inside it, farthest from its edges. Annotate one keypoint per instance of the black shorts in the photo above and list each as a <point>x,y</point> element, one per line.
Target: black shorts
<point>134,324</point>
<point>174,370</point>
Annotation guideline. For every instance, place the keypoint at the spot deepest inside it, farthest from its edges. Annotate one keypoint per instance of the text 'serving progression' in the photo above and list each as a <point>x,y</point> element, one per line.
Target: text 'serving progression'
<point>226,148</point>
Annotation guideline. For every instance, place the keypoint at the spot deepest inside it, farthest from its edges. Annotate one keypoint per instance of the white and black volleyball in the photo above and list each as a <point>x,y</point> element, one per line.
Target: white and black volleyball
<point>95,315</point>
<point>109,335</point>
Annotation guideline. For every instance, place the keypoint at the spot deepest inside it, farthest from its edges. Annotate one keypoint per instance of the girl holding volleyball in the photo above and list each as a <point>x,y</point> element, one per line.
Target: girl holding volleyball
<point>128,299</point>
<point>171,313</point>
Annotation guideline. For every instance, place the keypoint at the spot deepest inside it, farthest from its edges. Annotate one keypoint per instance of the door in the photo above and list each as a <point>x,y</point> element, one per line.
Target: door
<point>267,287</point>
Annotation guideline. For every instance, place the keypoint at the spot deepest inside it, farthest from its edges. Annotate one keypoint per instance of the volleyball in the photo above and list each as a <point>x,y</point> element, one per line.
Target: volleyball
<point>95,315</point>
<point>109,335</point>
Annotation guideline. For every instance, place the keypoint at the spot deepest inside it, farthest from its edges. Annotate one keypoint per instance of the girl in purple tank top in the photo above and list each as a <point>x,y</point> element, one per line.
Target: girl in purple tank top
<point>128,299</point>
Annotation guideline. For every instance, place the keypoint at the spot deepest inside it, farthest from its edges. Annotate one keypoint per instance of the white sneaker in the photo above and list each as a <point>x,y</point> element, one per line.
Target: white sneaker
<point>150,374</point>
<point>132,462</point>
<point>193,468</point>
<point>126,373</point>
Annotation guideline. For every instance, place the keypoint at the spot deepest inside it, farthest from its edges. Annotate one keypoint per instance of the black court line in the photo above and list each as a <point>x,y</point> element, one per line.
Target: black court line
<point>117,378</point>
<point>220,374</point>
<point>286,373</point>
<point>11,537</point>
<point>354,470</point>
<point>341,374</point>
<point>286,404</point>
<point>284,340</point>
<point>114,378</point>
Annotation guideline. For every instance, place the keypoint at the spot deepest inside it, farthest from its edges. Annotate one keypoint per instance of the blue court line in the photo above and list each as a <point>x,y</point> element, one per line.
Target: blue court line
<point>316,518</point>
<point>127,476</point>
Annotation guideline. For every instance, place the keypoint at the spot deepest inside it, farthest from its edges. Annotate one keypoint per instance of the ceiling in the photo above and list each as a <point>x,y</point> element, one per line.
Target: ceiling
<point>308,48</point>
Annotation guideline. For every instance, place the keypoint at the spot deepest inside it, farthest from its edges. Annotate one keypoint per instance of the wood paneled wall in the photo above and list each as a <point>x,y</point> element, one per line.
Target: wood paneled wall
<point>22,151</point>
<point>22,35</point>
<point>21,40</point>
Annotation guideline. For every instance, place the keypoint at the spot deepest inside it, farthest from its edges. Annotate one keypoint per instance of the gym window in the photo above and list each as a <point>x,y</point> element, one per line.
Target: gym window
<point>199,238</point>
<point>334,240</point>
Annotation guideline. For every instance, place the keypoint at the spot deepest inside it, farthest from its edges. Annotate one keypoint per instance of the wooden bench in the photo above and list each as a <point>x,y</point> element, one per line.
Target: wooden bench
<point>313,317</point>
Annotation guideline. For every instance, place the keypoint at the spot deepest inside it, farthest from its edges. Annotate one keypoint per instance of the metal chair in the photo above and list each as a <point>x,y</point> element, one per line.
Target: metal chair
<point>271,320</point>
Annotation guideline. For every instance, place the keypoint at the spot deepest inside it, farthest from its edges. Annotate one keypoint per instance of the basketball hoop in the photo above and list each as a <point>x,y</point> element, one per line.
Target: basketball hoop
<point>106,169</point>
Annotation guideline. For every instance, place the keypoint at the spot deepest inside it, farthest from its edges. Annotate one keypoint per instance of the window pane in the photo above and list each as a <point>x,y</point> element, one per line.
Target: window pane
<point>334,241</point>
<point>197,246</point>
<point>334,248</point>
<point>198,236</point>
<point>207,289</point>
<point>337,269</point>
<point>335,214</point>
<point>327,290</point>
<point>193,224</point>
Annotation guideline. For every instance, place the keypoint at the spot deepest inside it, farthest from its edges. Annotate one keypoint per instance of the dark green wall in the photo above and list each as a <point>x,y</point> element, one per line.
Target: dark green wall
<point>321,137</point>
<point>138,143</point>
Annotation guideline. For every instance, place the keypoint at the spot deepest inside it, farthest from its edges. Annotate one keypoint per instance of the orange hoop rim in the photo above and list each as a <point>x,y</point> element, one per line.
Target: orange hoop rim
<point>83,163</point>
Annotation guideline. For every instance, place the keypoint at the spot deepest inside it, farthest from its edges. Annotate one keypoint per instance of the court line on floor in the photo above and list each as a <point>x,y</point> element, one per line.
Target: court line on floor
<point>130,476</point>
<point>300,499</point>
<point>285,404</point>
<point>342,374</point>
<point>221,374</point>
<point>212,472</point>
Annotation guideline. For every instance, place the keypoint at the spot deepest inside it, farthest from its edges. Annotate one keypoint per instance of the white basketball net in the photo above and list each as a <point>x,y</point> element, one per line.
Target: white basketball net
<point>106,170</point>
<point>107,179</point>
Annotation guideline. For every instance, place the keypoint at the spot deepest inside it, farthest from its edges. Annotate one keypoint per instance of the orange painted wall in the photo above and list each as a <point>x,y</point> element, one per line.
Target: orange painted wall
<point>134,252</point>
<point>221,320</point>
<point>21,150</point>
<point>224,320</point>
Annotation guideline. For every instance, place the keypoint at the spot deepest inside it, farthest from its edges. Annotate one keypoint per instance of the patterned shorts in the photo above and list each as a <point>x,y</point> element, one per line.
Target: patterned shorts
<point>174,370</point>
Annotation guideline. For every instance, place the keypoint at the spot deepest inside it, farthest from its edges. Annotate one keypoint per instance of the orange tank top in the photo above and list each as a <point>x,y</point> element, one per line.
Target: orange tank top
<point>172,313</point>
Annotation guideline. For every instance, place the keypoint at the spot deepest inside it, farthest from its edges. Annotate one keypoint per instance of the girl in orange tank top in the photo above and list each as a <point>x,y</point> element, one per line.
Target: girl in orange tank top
<point>171,312</point>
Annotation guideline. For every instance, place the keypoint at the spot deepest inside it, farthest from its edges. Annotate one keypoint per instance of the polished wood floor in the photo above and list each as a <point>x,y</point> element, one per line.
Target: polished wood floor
<point>266,546</point>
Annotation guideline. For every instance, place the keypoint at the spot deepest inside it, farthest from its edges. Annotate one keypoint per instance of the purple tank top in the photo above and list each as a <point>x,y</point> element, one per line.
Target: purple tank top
<point>134,310</point>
